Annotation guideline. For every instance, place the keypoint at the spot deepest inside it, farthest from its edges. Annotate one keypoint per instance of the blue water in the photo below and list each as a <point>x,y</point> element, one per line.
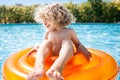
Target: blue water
<point>15,37</point>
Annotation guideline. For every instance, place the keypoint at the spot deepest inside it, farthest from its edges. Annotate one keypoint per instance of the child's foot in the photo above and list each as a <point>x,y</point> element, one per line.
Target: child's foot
<point>36,74</point>
<point>54,75</point>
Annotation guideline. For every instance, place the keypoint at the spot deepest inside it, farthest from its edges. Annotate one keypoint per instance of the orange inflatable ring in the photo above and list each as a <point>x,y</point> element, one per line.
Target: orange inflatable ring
<point>101,67</point>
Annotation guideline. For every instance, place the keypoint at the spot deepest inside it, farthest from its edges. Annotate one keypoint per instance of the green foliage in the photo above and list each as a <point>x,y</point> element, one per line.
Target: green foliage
<point>91,11</point>
<point>96,6</point>
<point>96,11</point>
<point>16,14</point>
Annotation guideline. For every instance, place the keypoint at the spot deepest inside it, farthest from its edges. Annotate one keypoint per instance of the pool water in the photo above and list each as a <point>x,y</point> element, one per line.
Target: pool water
<point>15,37</point>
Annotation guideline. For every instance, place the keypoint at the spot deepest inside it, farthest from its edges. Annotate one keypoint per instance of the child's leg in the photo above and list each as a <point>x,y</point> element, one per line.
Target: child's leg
<point>66,53</point>
<point>43,51</point>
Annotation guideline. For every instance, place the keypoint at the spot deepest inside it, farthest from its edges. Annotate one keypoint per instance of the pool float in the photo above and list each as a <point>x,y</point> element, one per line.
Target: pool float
<point>101,67</point>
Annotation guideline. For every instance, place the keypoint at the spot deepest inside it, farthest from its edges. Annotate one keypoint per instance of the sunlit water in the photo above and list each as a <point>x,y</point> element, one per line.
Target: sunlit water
<point>15,37</point>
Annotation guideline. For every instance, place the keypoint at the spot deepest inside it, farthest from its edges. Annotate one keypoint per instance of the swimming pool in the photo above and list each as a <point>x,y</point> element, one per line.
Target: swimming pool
<point>15,37</point>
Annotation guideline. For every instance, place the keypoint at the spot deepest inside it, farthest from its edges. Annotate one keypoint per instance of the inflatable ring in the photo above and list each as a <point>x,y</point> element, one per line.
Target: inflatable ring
<point>101,67</point>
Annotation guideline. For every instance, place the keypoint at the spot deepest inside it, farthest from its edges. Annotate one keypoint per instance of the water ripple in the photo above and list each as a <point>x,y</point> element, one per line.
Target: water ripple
<point>14,37</point>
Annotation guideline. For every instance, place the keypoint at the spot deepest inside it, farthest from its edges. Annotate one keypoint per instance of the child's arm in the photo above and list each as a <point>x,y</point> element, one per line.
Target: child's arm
<point>79,47</point>
<point>32,50</point>
<point>36,47</point>
<point>46,35</point>
<point>84,51</point>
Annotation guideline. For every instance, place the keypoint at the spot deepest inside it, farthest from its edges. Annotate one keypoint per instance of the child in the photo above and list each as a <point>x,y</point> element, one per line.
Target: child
<point>59,40</point>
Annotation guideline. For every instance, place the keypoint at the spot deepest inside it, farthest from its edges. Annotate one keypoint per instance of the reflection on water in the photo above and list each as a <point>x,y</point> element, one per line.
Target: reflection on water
<point>15,37</point>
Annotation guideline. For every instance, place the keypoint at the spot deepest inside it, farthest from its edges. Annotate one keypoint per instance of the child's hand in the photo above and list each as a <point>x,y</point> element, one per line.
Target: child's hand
<point>85,52</point>
<point>32,50</point>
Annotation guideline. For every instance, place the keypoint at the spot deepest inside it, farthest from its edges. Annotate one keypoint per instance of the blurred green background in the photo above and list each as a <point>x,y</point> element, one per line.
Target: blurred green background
<point>87,12</point>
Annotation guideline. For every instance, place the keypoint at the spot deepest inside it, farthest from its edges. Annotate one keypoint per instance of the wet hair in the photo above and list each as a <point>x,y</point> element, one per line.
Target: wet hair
<point>55,12</point>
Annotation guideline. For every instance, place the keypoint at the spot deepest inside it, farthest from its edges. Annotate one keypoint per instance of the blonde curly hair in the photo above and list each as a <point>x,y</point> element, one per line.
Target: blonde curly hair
<point>55,12</point>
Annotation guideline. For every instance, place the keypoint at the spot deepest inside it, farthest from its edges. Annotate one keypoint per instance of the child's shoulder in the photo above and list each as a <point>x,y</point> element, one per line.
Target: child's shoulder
<point>70,30</point>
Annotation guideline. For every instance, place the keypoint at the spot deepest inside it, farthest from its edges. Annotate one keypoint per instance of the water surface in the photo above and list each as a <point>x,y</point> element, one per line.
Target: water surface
<point>15,37</point>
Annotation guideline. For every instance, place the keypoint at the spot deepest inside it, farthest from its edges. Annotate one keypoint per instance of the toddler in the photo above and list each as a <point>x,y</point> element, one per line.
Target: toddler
<point>59,41</point>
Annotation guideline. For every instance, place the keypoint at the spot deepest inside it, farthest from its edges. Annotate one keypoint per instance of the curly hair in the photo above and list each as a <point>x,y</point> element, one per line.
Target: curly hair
<point>55,12</point>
